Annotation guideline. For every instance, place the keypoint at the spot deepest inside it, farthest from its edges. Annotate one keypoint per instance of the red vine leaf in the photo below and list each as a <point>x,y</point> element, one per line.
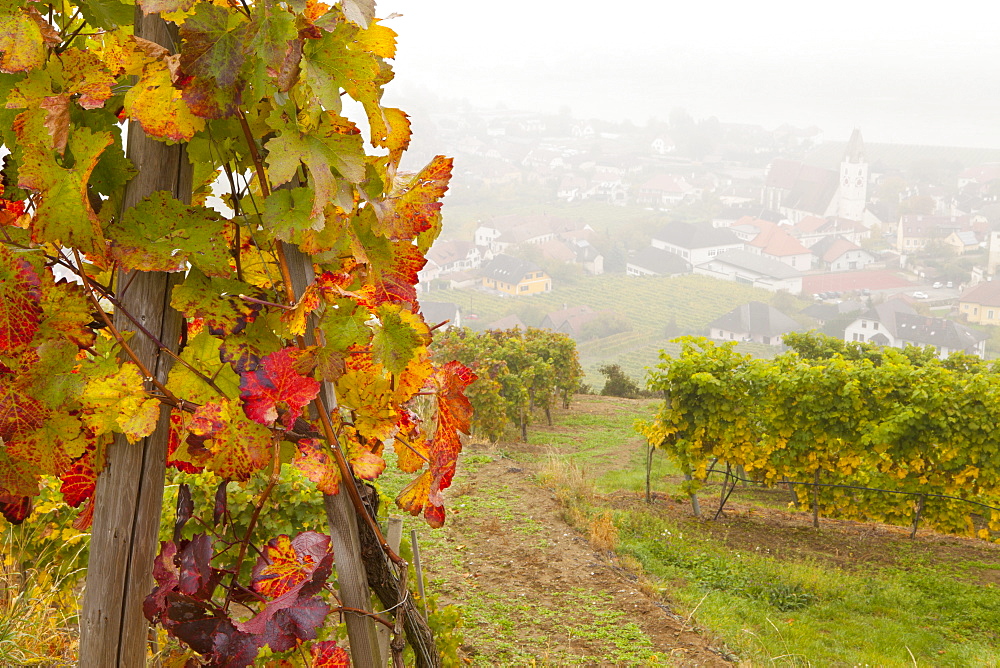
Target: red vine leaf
<point>286,563</point>
<point>15,509</point>
<point>328,654</point>
<point>20,412</point>
<point>218,436</point>
<point>276,389</point>
<point>80,479</point>
<point>392,265</point>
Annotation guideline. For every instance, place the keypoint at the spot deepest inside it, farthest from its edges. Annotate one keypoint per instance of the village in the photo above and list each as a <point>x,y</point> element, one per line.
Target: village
<point>893,245</point>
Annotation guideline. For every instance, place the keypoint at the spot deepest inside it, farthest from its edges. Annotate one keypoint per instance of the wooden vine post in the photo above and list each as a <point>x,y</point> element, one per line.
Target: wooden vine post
<point>129,495</point>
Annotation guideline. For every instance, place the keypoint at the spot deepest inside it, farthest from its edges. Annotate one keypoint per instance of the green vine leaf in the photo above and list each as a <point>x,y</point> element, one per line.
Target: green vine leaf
<point>162,234</point>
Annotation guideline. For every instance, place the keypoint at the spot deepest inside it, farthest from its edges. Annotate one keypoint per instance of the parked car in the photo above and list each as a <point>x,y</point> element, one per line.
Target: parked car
<point>920,295</point>
<point>937,284</point>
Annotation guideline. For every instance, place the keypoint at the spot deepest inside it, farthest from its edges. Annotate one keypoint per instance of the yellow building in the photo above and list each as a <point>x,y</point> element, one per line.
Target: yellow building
<point>981,304</point>
<point>515,277</point>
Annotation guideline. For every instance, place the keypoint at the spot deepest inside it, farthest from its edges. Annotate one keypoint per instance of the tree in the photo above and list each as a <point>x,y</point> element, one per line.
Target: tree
<point>280,328</point>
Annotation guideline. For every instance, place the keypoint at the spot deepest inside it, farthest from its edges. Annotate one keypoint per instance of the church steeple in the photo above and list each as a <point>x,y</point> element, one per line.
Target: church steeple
<point>853,191</point>
<point>855,148</point>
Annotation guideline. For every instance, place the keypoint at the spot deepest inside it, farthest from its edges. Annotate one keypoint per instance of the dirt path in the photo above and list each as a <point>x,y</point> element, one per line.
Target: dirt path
<point>564,600</point>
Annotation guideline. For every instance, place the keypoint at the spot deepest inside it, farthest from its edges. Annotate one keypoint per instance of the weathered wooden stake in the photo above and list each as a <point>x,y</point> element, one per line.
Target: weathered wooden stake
<point>129,493</point>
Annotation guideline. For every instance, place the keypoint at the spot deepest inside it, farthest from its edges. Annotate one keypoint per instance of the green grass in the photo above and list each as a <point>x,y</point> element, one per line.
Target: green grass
<point>809,613</point>
<point>771,611</point>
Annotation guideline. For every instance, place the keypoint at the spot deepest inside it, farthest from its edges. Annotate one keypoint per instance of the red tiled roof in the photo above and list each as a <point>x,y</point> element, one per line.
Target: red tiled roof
<point>774,241</point>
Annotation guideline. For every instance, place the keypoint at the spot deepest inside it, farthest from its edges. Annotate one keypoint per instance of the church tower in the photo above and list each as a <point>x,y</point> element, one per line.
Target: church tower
<point>853,191</point>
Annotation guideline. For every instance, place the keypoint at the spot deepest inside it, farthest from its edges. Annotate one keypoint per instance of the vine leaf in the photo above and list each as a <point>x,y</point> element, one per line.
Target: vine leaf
<point>220,437</point>
<point>211,62</point>
<point>216,301</point>
<point>24,36</point>
<point>365,458</point>
<point>416,208</point>
<point>64,213</point>
<point>156,105</point>
<point>20,412</point>
<point>277,389</point>
<point>392,265</point>
<point>286,562</point>
<point>17,478</point>
<point>161,233</point>
<point>333,149</point>
<point>111,403</point>
<point>20,301</point>
<point>80,479</point>
<point>52,448</point>
<point>367,391</point>
<point>359,11</point>
<point>410,444</point>
<point>317,465</point>
<point>291,572</point>
<point>327,654</point>
<point>15,509</point>
<point>454,415</point>
<point>400,337</point>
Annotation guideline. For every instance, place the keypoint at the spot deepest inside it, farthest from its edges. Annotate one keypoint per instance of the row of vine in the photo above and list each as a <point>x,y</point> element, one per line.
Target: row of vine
<point>847,416</point>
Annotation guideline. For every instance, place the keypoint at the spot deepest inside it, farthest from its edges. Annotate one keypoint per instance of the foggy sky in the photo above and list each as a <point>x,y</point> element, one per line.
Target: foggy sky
<point>900,73</point>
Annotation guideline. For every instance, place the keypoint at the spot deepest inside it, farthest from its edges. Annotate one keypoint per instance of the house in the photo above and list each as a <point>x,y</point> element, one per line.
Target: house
<point>798,190</point>
<point>663,191</point>
<point>515,277</point>
<point>751,269</point>
<point>588,256</point>
<point>436,313</point>
<point>503,232</point>
<point>772,241</point>
<point>839,254</point>
<point>652,261</point>
<point>663,145</point>
<point>753,322</point>
<point>695,243</point>
<point>572,320</point>
<point>446,257</point>
<point>895,324</point>
<point>915,231</point>
<point>507,322</point>
<point>573,189</point>
<point>962,242</point>
<point>981,304</point>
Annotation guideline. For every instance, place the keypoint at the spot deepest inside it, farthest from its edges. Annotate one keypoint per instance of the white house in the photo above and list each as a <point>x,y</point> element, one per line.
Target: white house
<point>895,324</point>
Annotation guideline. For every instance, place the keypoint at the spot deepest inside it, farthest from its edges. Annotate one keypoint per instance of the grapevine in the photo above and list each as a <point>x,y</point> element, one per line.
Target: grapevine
<point>281,327</point>
<point>862,419</point>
